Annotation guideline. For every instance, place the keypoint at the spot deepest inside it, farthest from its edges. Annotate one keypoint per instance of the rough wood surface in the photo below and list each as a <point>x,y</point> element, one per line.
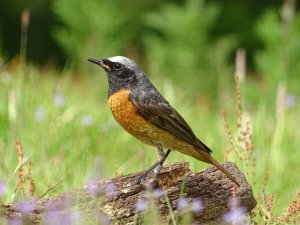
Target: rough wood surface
<point>117,198</point>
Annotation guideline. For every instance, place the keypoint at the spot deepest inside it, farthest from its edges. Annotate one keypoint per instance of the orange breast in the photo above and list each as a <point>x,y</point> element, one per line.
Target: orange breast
<point>127,116</point>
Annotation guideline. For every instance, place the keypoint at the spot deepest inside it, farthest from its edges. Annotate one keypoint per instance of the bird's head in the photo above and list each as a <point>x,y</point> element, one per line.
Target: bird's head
<point>122,73</point>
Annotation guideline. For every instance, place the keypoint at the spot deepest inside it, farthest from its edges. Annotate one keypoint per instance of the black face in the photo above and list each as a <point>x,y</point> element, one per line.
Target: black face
<point>118,71</point>
<point>119,76</point>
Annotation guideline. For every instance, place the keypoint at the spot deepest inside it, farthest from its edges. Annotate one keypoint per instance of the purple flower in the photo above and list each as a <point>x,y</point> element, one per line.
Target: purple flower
<point>290,100</point>
<point>14,221</point>
<point>92,187</point>
<point>151,192</point>
<point>196,223</point>
<point>105,219</point>
<point>69,217</point>
<point>54,205</point>
<point>150,187</point>
<point>87,121</point>
<point>51,205</point>
<point>197,205</point>
<point>182,203</point>
<point>141,205</point>
<point>110,189</point>
<point>58,101</point>
<point>158,193</point>
<point>26,206</point>
<point>2,188</point>
<point>236,216</point>
<point>40,114</point>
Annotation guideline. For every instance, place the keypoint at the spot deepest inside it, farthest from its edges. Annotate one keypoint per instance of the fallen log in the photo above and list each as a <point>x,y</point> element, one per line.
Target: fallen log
<point>120,201</point>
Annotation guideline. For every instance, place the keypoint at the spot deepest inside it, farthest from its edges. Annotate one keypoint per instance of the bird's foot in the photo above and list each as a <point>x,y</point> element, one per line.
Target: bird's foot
<point>145,174</point>
<point>156,168</point>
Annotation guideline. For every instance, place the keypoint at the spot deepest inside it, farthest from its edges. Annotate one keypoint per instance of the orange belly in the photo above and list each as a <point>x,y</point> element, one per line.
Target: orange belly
<point>127,116</point>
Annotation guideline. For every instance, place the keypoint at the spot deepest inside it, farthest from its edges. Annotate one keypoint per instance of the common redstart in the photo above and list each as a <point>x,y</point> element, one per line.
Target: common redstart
<point>144,113</point>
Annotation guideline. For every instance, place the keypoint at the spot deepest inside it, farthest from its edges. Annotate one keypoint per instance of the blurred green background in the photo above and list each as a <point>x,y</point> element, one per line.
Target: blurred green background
<point>55,102</point>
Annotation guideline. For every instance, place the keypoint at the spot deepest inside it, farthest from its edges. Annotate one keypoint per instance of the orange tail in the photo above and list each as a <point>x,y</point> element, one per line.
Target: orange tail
<point>212,161</point>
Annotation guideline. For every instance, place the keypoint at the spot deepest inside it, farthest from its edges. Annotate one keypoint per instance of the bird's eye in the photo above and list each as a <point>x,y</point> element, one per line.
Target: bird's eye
<point>117,66</point>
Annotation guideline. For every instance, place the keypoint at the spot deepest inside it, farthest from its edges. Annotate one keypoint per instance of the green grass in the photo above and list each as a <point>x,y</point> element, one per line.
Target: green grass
<point>62,147</point>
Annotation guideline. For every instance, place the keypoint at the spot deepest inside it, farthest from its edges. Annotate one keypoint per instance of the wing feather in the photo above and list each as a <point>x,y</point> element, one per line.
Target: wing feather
<point>159,112</point>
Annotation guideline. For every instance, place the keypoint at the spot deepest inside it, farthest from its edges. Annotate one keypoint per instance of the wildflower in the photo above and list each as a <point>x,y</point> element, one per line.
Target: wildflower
<point>14,221</point>
<point>40,114</point>
<point>150,187</point>
<point>196,223</point>
<point>64,203</point>
<point>58,101</point>
<point>105,219</point>
<point>141,205</point>
<point>182,203</point>
<point>25,206</point>
<point>290,100</point>
<point>2,188</point>
<point>197,205</point>
<point>92,187</point>
<point>87,121</point>
<point>69,217</point>
<point>158,193</point>
<point>236,216</point>
<point>110,189</point>
<point>51,205</point>
<point>152,192</point>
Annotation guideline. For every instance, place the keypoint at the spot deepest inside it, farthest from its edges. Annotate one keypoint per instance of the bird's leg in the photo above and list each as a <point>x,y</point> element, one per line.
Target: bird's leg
<point>162,157</point>
<point>160,151</point>
<point>157,165</point>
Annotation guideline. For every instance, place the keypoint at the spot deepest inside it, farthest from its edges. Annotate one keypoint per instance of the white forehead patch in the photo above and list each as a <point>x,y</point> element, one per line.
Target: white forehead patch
<point>120,59</point>
<point>125,61</point>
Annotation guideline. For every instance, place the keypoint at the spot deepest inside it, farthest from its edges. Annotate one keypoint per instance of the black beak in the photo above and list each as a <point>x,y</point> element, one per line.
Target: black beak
<point>96,61</point>
<point>99,62</point>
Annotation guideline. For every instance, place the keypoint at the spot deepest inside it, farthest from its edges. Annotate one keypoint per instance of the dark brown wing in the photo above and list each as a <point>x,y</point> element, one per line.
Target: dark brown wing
<point>157,110</point>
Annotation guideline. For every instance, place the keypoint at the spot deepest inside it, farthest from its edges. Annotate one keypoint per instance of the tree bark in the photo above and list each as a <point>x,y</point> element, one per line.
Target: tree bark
<point>115,199</point>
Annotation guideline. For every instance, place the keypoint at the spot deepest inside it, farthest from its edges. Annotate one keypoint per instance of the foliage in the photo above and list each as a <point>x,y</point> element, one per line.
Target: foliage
<point>85,32</point>
<point>182,48</point>
<point>243,147</point>
<point>236,17</point>
<point>100,28</point>
<point>278,60</point>
<point>174,39</point>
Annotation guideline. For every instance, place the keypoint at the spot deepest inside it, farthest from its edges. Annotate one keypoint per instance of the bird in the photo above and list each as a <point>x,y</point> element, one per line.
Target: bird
<point>144,113</point>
